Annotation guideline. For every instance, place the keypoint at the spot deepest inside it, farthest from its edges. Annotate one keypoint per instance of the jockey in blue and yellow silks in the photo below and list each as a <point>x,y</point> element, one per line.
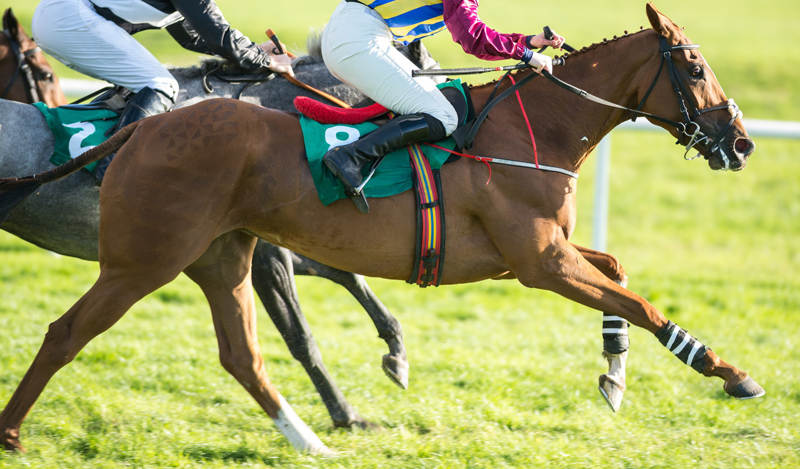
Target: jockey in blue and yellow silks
<point>357,47</point>
<point>411,20</point>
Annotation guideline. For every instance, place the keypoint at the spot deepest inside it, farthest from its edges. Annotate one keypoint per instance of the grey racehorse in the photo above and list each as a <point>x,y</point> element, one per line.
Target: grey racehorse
<point>64,217</point>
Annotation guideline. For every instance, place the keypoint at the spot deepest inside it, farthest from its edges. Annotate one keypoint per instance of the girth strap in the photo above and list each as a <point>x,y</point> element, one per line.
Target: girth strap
<point>429,252</point>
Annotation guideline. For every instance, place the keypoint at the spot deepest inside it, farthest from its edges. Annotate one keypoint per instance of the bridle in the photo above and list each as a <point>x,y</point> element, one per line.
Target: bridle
<point>23,68</point>
<point>682,94</point>
<point>689,127</point>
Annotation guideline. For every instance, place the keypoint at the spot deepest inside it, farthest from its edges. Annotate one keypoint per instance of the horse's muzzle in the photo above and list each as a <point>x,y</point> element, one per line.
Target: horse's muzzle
<point>733,157</point>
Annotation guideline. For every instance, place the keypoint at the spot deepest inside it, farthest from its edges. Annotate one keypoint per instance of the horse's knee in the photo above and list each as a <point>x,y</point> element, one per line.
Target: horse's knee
<point>557,263</point>
<point>616,272</point>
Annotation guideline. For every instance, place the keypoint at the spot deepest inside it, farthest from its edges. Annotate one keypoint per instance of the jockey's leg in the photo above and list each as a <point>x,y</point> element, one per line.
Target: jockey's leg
<point>75,34</point>
<point>361,53</point>
<point>347,161</point>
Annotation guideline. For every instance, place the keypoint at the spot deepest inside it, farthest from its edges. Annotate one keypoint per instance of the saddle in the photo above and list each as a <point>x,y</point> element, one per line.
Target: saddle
<point>326,126</point>
<point>327,114</point>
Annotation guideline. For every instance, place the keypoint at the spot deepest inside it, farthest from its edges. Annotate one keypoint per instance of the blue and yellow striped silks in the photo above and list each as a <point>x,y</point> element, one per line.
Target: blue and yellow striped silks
<point>410,20</point>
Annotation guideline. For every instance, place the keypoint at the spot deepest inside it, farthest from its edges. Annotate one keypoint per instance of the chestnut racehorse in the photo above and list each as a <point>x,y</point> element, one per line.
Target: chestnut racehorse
<point>30,79</point>
<point>191,191</point>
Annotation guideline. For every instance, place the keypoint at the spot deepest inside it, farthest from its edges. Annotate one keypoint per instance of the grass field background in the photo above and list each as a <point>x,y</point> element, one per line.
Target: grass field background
<point>501,376</point>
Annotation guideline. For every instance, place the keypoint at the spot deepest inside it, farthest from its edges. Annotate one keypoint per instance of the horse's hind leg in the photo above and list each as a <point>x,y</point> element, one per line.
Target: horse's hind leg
<point>615,330</point>
<point>223,273</point>
<point>100,308</point>
<point>395,363</point>
<point>273,279</point>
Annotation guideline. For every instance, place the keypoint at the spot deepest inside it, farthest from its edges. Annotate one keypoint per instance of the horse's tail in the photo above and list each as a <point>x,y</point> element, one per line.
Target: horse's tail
<point>15,190</point>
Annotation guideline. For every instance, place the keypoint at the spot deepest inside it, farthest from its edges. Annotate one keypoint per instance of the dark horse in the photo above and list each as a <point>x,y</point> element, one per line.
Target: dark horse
<point>250,179</point>
<point>31,78</point>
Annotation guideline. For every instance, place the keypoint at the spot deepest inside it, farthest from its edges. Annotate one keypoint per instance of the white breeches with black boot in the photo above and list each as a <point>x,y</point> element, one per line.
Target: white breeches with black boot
<point>75,34</point>
<point>358,48</point>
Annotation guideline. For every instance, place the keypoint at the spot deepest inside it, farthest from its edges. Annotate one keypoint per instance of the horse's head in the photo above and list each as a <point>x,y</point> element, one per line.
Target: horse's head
<point>687,91</point>
<point>25,75</point>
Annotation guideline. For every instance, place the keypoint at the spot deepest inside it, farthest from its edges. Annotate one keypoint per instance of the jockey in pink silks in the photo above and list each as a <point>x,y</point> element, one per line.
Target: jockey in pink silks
<point>357,47</point>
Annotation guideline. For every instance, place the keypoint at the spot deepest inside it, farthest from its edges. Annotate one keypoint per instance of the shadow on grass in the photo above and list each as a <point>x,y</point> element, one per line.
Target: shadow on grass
<point>241,454</point>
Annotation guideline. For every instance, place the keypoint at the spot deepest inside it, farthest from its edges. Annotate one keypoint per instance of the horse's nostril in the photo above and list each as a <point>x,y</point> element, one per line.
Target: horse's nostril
<point>743,146</point>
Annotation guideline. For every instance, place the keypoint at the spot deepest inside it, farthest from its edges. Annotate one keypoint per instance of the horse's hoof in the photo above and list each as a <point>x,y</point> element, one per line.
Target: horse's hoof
<point>747,389</point>
<point>12,445</point>
<point>396,369</point>
<point>611,390</point>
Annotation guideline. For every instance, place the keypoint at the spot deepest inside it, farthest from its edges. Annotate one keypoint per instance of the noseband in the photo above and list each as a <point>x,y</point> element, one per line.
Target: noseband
<point>23,67</point>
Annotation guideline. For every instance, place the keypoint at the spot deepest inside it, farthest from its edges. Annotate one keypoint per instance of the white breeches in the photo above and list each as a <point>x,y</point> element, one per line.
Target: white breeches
<point>358,48</point>
<point>72,32</point>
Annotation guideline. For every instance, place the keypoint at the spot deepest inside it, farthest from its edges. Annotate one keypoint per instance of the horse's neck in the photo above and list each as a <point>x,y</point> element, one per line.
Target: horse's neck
<point>566,127</point>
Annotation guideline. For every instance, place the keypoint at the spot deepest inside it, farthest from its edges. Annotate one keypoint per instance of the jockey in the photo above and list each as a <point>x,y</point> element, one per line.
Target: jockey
<point>357,49</point>
<point>94,38</point>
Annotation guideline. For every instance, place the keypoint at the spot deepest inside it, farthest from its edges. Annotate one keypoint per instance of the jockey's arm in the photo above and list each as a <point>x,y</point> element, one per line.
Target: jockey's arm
<point>469,31</point>
<point>205,30</point>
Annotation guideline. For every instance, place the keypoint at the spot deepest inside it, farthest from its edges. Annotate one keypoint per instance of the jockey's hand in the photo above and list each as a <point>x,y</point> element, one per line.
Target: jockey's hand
<point>539,41</point>
<point>281,63</point>
<point>541,62</point>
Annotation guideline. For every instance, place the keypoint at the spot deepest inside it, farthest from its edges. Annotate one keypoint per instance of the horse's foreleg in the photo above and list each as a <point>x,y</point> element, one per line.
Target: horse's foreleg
<point>562,269</point>
<point>395,363</point>
<point>99,309</point>
<point>223,273</point>
<point>615,330</point>
<point>273,280</point>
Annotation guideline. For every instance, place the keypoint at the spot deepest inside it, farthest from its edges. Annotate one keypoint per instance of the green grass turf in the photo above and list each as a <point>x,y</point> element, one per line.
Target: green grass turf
<point>501,376</point>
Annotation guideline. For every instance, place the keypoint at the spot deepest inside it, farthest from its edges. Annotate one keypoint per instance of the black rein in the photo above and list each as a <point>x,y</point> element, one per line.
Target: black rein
<point>22,67</point>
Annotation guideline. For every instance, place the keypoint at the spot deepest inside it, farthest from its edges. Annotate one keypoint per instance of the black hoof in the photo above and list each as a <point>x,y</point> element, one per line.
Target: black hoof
<point>747,389</point>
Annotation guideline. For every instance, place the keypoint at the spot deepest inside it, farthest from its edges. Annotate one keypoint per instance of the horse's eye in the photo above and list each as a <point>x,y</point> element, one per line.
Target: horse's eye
<point>697,72</point>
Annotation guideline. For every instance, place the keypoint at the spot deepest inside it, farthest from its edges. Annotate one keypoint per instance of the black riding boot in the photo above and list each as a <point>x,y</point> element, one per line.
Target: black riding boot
<point>145,103</point>
<point>347,161</point>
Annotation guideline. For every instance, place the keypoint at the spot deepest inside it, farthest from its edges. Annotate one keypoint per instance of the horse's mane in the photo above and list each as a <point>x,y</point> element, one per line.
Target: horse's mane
<point>605,41</point>
<point>227,68</point>
<point>580,51</point>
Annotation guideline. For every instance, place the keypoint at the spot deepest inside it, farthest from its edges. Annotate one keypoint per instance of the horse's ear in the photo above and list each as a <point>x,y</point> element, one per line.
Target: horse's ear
<point>660,23</point>
<point>10,22</point>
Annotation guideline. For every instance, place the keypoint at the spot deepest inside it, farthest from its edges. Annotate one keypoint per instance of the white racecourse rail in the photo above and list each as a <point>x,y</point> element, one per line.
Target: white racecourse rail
<point>755,128</point>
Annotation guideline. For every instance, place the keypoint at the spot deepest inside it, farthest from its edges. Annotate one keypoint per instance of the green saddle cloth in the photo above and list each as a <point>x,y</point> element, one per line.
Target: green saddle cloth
<point>77,130</point>
<point>393,176</point>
